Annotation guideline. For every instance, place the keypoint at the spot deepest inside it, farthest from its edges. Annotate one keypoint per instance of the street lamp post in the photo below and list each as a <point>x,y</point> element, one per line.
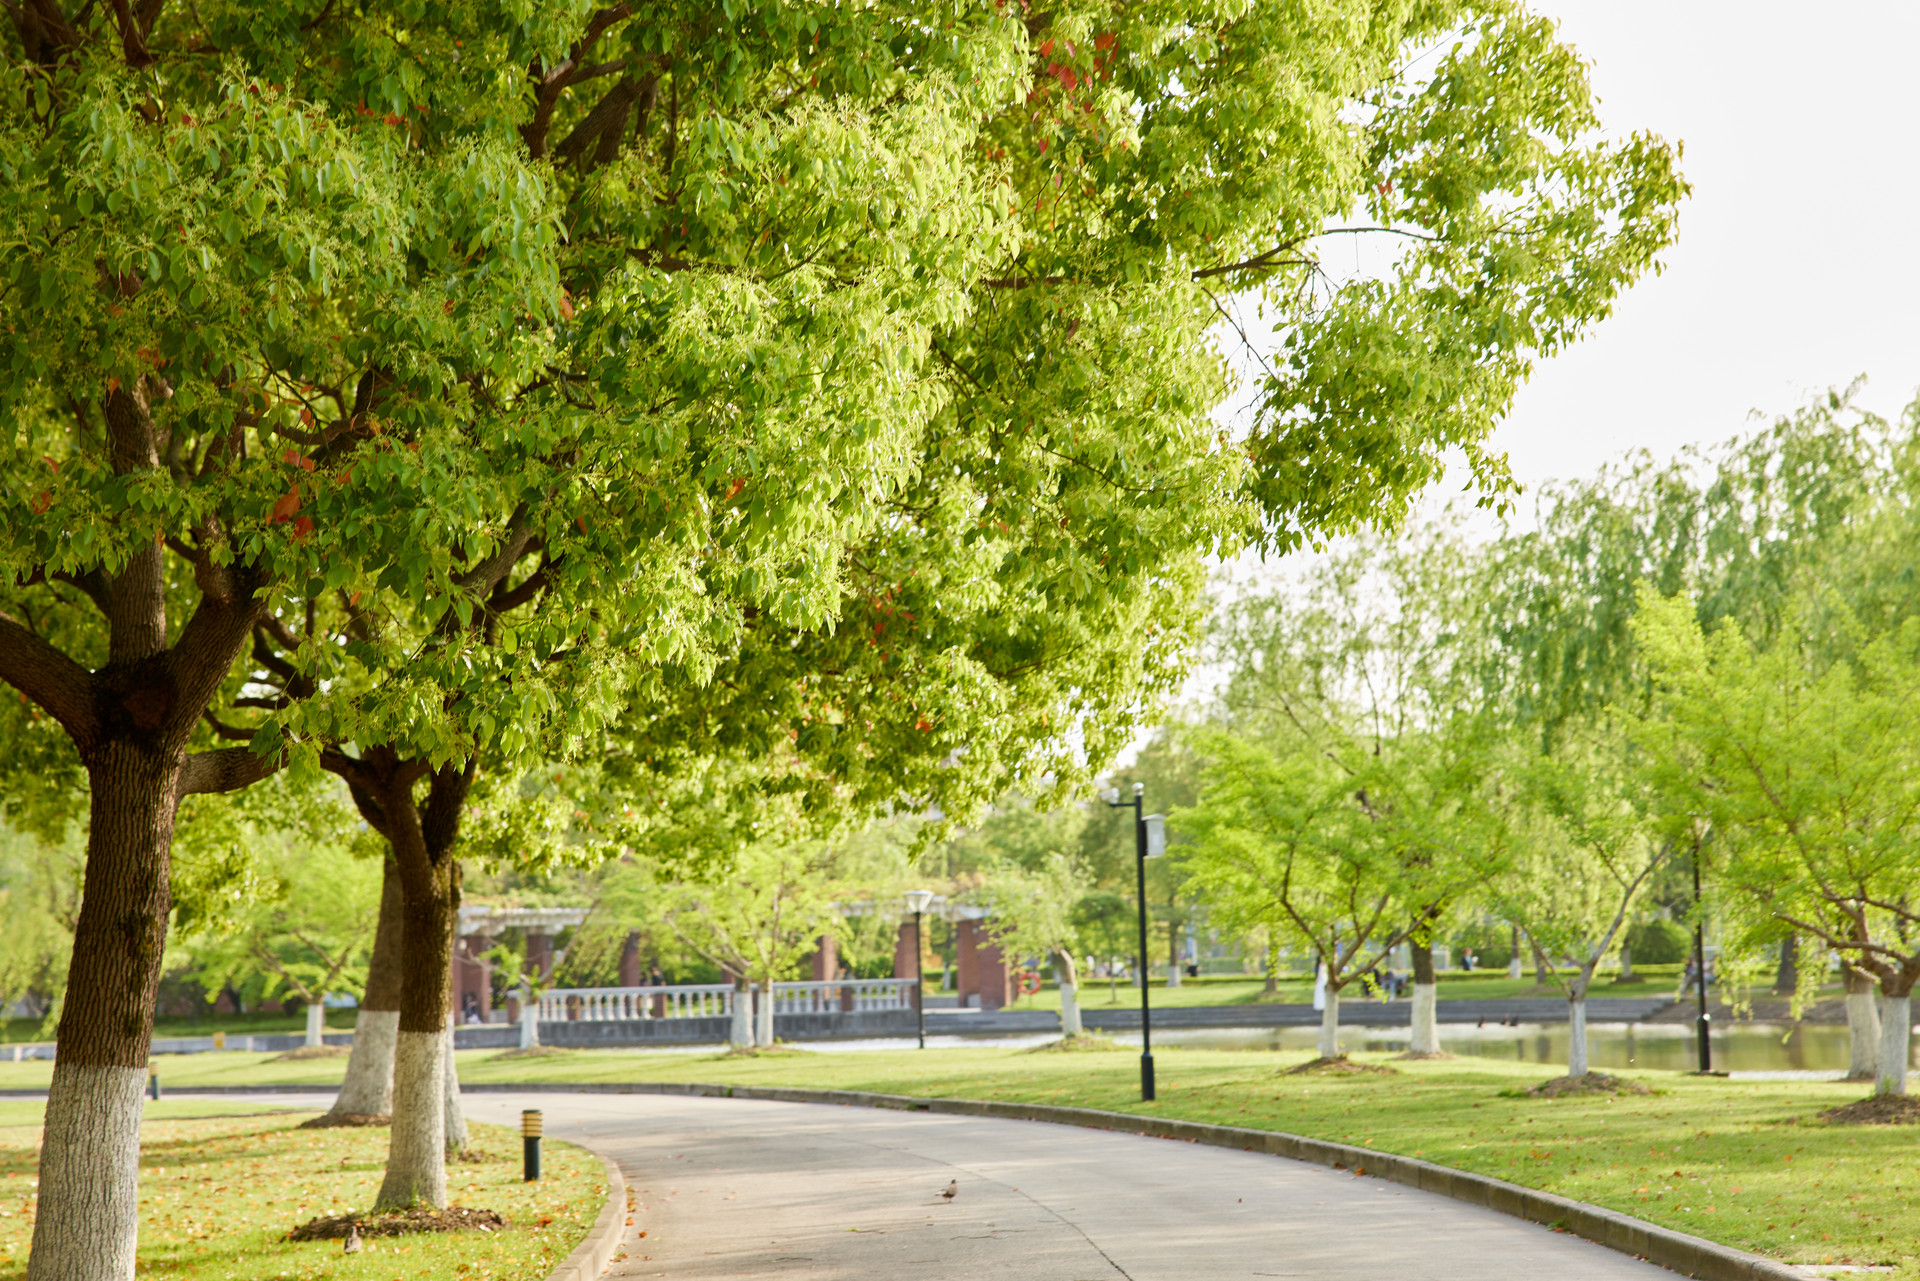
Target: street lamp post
<point>917,901</point>
<point>1703,1025</point>
<point>1149,841</point>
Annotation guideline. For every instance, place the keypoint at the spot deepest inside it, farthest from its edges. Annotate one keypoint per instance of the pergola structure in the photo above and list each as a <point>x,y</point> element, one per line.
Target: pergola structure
<point>480,927</point>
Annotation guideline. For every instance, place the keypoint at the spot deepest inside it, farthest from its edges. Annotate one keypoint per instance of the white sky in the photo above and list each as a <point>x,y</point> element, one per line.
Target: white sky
<point>1795,269</point>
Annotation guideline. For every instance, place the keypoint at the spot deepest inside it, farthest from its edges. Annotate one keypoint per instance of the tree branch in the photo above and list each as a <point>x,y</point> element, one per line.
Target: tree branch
<point>57,684</point>
<point>225,769</point>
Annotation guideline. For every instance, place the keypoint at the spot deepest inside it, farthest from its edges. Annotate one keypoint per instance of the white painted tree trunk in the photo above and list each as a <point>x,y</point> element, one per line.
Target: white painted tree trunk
<point>456,1119</point>
<point>740,1036</point>
<point>1069,1010</point>
<point>1896,1034</point>
<point>417,1145</point>
<point>89,1197</point>
<point>1174,975</point>
<point>1426,1018</point>
<point>1863,1036</point>
<point>1330,1025</point>
<point>763,1014</point>
<point>529,1021</point>
<point>368,1088</point>
<point>1577,1037</point>
<point>316,1023</point>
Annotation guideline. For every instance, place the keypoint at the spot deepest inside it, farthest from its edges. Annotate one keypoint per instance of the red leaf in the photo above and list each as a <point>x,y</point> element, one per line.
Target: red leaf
<point>291,457</point>
<point>41,502</point>
<point>50,463</point>
<point>159,538</point>
<point>566,305</point>
<point>286,505</point>
<point>1104,40</point>
<point>392,119</point>
<point>923,724</point>
<point>354,599</point>
<point>303,527</point>
<point>1046,48</point>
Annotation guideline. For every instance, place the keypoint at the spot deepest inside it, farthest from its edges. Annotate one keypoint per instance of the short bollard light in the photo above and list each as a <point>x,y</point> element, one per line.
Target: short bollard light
<point>153,1086</point>
<point>530,1142</point>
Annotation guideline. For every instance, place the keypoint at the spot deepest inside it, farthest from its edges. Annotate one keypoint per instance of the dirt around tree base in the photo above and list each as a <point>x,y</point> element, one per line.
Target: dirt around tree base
<point>1339,1065</point>
<point>533,1052</point>
<point>399,1223</point>
<point>1878,1109</point>
<point>306,1052</point>
<point>333,1120</point>
<point>779,1049</point>
<point>1085,1041</point>
<point>1410,1057</point>
<point>1592,1083</point>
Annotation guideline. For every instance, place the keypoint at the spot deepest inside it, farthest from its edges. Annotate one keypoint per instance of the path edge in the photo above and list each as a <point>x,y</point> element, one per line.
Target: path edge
<point>1680,1252</point>
<point>591,1257</point>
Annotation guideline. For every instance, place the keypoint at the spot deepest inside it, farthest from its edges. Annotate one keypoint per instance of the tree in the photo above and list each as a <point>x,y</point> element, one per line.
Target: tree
<point>467,365</point>
<point>1808,765</point>
<point>1033,915</point>
<point>1583,852</point>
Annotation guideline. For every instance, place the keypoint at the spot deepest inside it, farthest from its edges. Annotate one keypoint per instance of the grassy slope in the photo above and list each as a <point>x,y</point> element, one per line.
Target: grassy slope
<point>217,1196</point>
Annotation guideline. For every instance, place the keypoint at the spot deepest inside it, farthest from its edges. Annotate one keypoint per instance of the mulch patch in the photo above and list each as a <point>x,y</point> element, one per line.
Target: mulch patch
<point>1878,1109</point>
<point>399,1223</point>
<point>534,1052</point>
<point>1411,1057</point>
<point>779,1049</point>
<point>1561,1087</point>
<point>331,1120</point>
<point>1339,1065</point>
<point>1082,1043</point>
<point>306,1052</point>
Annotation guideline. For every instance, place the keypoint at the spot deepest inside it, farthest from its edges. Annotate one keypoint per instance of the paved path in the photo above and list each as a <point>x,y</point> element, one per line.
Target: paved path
<point>743,1190</point>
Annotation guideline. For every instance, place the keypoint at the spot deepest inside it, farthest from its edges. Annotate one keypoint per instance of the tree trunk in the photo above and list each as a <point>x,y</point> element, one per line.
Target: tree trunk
<point>1863,1027</point>
<point>86,1225</point>
<point>1173,950</point>
<point>1426,991</point>
<point>529,1019</point>
<point>1542,967</point>
<point>740,1036</point>
<point>1068,978</point>
<point>1272,985</point>
<point>1787,978</point>
<point>763,1013</point>
<point>1896,1049</point>
<point>1577,1036</point>
<point>317,1021</point>
<point>368,1087</point>
<point>458,1140</point>
<point>1330,1025</point>
<point>1514,968</point>
<point>1626,963</point>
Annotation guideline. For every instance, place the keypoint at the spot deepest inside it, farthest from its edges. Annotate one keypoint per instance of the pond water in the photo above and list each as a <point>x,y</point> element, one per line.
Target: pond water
<point>1744,1047</point>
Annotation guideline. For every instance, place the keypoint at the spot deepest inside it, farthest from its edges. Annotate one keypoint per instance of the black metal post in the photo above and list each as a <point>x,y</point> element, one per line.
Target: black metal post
<point>919,981</point>
<point>153,1087</point>
<point>530,1143</point>
<point>1704,1024</point>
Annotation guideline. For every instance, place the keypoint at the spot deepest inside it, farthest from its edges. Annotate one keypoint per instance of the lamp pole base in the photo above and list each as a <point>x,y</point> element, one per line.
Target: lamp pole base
<point>1146,1078</point>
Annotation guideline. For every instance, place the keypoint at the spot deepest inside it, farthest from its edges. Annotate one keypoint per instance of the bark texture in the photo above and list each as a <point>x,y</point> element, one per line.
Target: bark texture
<point>740,1033</point>
<point>1330,1025</point>
<point>455,1125</point>
<point>1426,1019</point>
<point>368,1087</point>
<point>90,1197</point>
<point>1863,1028</point>
<point>763,1013</point>
<point>1577,1036</point>
<point>316,1022</point>
<point>1067,975</point>
<point>1896,1049</point>
<point>1626,963</point>
<point>416,1152</point>
<point>1787,977</point>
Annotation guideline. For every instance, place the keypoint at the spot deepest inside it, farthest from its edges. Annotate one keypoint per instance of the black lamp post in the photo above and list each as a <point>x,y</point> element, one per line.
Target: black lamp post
<point>1703,1025</point>
<point>1149,841</point>
<point>917,901</point>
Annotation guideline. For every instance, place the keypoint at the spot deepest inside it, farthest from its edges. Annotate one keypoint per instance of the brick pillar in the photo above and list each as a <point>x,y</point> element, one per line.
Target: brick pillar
<point>903,966</point>
<point>826,959</point>
<point>540,954</point>
<point>993,973</point>
<point>470,975</point>
<point>630,960</point>
<point>967,962</point>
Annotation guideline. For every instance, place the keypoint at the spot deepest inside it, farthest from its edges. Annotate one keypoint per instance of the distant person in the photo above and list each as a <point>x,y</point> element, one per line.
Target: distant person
<point>1193,969</point>
<point>1467,961</point>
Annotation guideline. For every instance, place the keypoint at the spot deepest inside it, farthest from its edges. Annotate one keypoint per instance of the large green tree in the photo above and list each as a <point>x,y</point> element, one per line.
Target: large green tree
<point>463,369</point>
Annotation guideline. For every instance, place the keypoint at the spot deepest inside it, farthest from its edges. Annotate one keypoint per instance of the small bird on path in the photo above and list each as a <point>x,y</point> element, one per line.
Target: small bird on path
<point>951,1191</point>
<point>353,1239</point>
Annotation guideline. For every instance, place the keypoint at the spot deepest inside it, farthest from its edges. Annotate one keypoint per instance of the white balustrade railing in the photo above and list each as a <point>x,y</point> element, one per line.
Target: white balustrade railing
<point>715,1000</point>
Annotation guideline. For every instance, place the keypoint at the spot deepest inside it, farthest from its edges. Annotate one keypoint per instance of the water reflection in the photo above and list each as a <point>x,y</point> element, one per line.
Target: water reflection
<point>1743,1047</point>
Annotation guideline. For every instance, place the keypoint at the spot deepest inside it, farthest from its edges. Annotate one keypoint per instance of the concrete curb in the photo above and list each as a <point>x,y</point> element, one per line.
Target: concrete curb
<point>1678,1251</point>
<point>590,1258</point>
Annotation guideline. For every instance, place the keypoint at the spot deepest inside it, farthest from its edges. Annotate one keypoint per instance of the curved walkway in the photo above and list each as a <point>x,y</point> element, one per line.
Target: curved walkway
<point>739,1189</point>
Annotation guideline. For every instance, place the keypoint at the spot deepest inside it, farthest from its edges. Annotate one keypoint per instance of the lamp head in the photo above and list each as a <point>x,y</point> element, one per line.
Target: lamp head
<point>918,900</point>
<point>1111,795</point>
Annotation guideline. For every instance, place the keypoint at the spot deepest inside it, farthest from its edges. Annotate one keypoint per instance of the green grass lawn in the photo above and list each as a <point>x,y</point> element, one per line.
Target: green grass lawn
<point>1744,1162</point>
<point>16,1031</point>
<point>217,1196</point>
